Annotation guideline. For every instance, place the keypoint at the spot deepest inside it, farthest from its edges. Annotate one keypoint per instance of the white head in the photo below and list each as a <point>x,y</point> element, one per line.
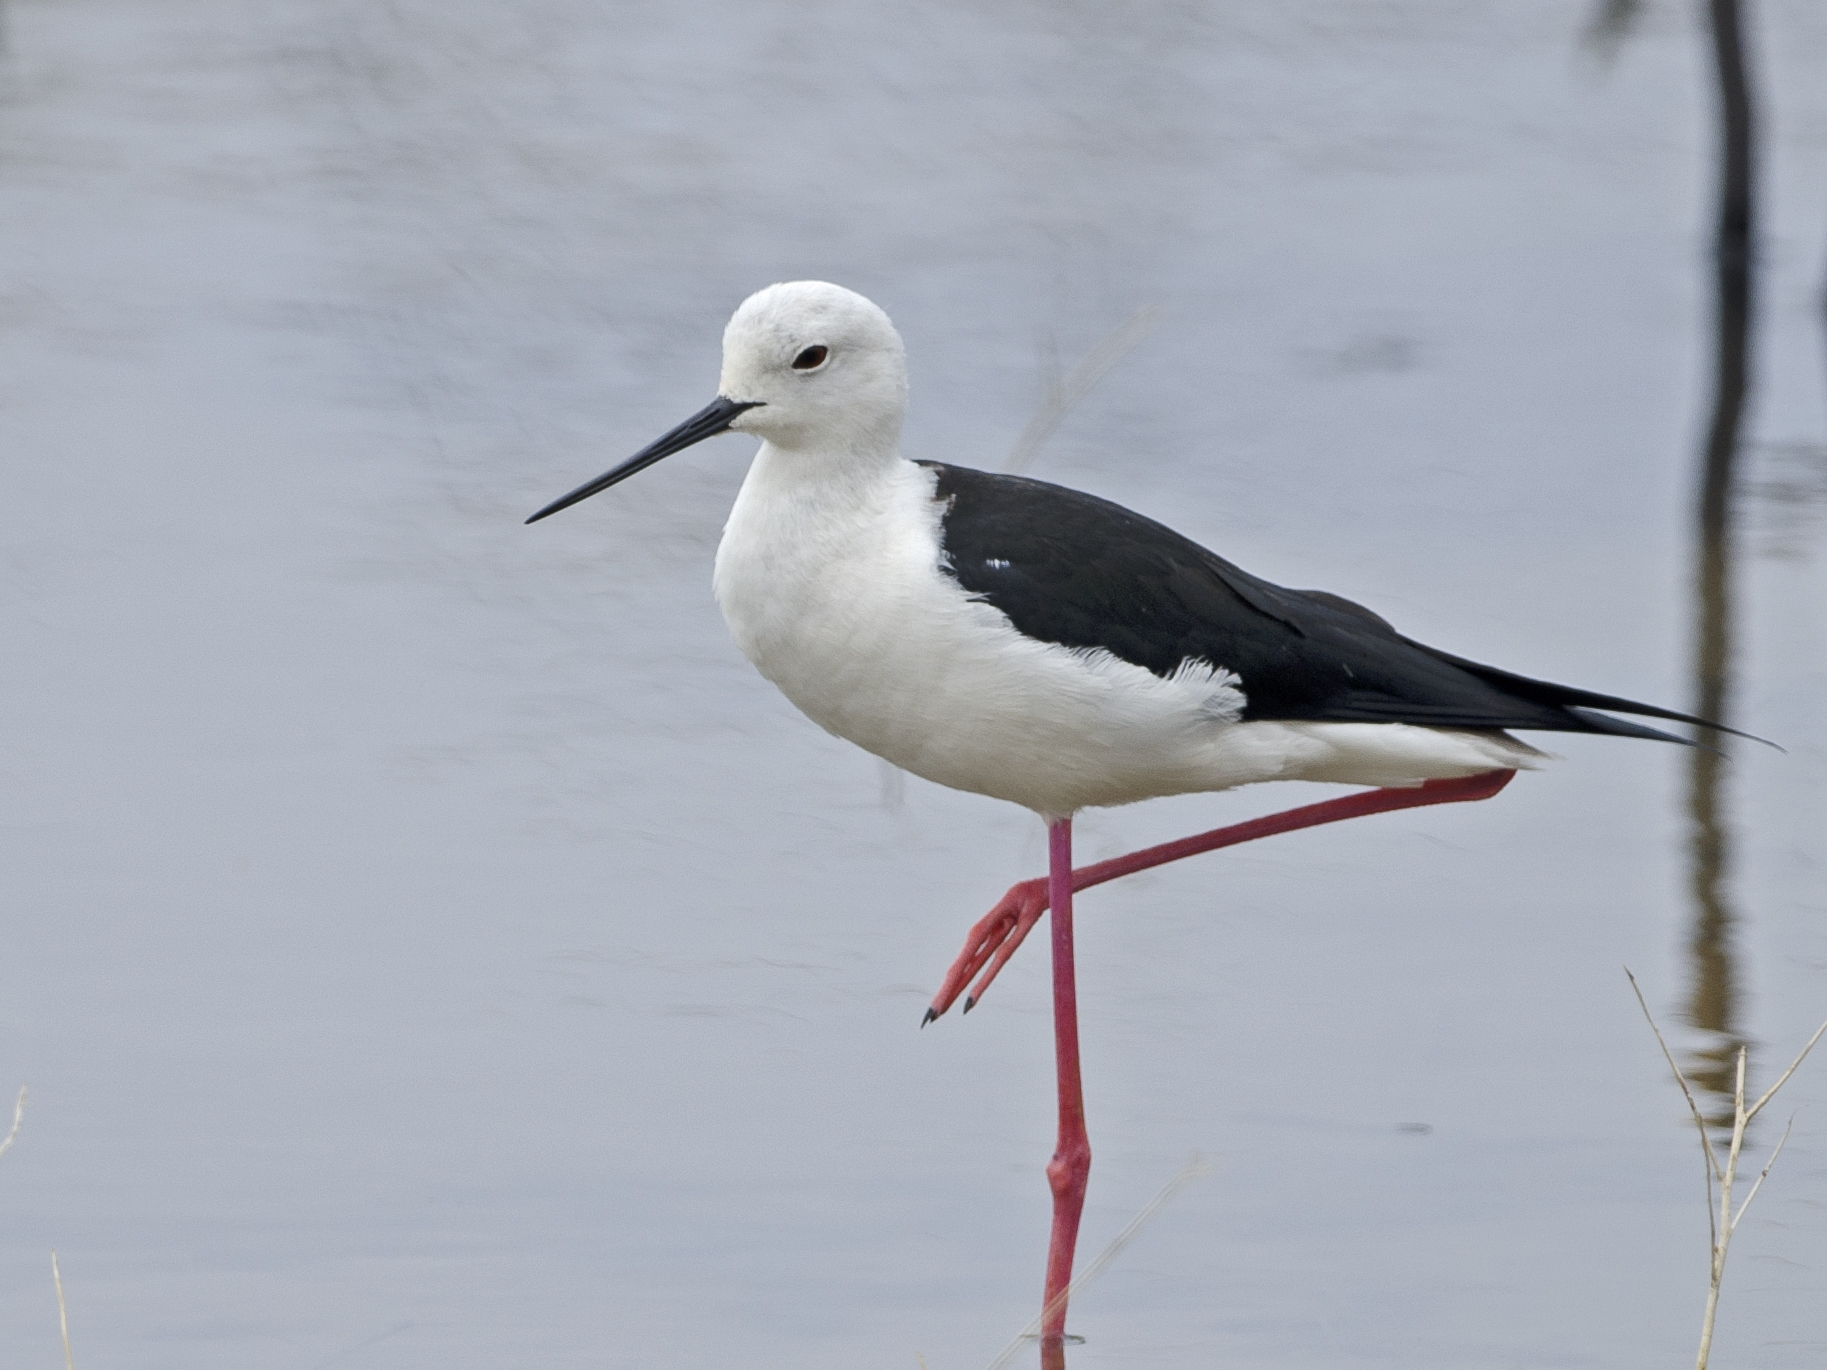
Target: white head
<point>825,364</point>
<point>806,365</point>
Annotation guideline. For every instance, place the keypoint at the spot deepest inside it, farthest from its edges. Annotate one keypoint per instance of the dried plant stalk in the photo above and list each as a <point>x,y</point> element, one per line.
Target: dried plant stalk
<point>63,1314</point>
<point>1066,392</point>
<point>6,1145</point>
<point>1722,1218</point>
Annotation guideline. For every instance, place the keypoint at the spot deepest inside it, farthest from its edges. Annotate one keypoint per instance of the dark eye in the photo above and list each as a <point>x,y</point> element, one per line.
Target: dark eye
<point>811,359</point>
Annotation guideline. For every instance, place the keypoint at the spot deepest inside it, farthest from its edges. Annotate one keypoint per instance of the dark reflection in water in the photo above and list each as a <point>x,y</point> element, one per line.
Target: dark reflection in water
<point>1610,25</point>
<point>1714,999</point>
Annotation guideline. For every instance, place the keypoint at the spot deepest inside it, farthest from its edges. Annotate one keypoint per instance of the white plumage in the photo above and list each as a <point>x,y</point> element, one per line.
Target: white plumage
<point>830,577</point>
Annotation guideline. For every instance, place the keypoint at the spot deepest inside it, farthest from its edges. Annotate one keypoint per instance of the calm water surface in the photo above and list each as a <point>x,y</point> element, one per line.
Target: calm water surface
<point>430,945</point>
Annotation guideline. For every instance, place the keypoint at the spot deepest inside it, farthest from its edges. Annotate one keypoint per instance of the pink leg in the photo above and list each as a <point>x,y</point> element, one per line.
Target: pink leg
<point>996,936</point>
<point>1070,1167</point>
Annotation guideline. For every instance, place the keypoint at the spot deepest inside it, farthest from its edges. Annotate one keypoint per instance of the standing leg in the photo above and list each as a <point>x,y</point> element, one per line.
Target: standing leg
<point>1071,1163</point>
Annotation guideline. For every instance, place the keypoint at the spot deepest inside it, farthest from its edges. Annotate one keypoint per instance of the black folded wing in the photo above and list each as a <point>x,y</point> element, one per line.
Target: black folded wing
<point>1079,571</point>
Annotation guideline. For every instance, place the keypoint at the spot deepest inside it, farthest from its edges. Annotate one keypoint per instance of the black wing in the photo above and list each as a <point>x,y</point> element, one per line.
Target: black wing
<point>1070,568</point>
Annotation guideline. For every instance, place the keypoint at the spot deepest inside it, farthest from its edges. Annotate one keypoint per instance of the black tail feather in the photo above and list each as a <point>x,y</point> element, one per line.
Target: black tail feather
<point>1578,702</point>
<point>1621,727</point>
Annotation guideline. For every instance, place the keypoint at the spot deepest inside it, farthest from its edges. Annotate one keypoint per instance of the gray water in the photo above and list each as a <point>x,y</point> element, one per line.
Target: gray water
<point>428,944</point>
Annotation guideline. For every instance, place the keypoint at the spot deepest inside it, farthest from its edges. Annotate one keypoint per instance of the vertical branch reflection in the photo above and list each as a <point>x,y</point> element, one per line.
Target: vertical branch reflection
<point>1713,1005</point>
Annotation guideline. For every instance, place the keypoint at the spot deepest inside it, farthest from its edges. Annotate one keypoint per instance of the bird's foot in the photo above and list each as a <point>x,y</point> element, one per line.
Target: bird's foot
<point>992,941</point>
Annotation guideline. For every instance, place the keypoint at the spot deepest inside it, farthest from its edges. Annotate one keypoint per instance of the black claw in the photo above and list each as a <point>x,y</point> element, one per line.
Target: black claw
<point>930,1015</point>
<point>969,1004</point>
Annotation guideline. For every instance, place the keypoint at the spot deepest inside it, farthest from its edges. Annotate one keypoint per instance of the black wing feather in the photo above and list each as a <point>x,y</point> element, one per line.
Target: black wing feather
<point>1069,568</point>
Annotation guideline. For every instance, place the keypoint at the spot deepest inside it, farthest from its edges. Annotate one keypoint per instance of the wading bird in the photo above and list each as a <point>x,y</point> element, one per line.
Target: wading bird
<point>1020,640</point>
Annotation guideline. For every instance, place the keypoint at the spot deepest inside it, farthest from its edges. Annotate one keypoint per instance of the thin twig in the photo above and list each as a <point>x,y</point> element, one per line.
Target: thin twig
<point>1740,1121</point>
<point>18,1118</point>
<point>1063,394</point>
<point>1193,1168</point>
<point>1764,1174</point>
<point>1783,1079</point>
<point>63,1314</point>
<point>1706,1142</point>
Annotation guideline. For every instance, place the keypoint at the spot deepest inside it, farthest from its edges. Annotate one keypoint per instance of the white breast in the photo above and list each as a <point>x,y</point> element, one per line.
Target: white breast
<point>832,585</point>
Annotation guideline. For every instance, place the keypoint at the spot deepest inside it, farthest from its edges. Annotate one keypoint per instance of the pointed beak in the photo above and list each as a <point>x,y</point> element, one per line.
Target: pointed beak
<point>709,421</point>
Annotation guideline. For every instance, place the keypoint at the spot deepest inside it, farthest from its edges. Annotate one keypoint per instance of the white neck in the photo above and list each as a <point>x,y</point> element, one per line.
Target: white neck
<point>794,482</point>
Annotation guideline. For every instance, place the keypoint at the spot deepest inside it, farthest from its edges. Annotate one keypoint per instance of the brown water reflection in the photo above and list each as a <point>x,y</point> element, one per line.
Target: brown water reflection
<point>1714,999</point>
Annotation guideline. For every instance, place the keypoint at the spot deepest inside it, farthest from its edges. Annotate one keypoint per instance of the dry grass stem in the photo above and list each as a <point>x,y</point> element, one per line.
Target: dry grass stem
<point>1687,1092</point>
<point>1783,1079</point>
<point>1764,1174</point>
<point>1074,386</point>
<point>63,1314</point>
<point>18,1118</point>
<point>1722,1217</point>
<point>1193,1168</point>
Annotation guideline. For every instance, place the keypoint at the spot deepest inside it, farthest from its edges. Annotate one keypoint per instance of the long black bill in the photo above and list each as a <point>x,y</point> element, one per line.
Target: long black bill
<point>706,423</point>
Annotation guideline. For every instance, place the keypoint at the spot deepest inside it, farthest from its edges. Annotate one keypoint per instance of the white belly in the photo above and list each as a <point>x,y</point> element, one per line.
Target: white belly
<point>833,589</point>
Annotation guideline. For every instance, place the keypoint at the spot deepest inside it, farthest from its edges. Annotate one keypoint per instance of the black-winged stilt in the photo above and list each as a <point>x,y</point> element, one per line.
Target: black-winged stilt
<point>1020,640</point>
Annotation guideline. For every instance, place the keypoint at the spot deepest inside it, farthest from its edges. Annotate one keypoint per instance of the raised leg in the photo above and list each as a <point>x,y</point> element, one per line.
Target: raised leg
<point>1070,1167</point>
<point>996,936</point>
